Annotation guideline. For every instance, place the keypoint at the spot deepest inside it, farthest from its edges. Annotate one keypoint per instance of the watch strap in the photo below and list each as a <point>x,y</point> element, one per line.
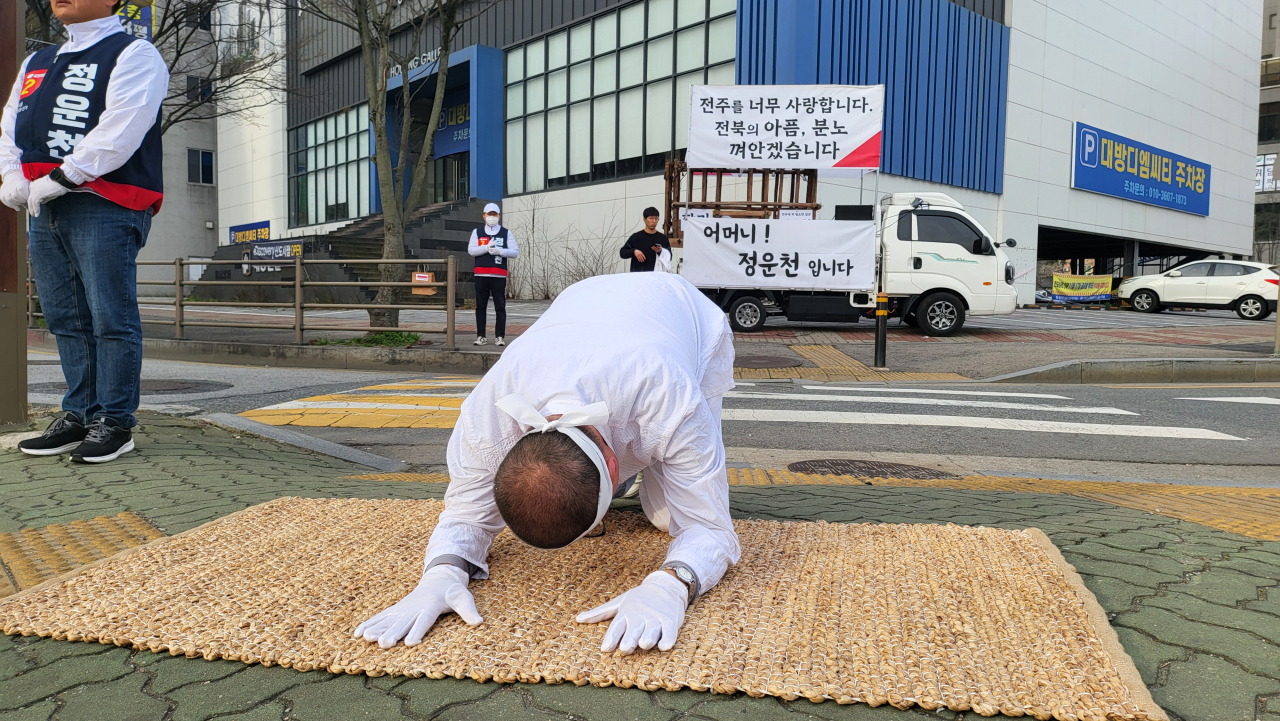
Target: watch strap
<point>687,575</point>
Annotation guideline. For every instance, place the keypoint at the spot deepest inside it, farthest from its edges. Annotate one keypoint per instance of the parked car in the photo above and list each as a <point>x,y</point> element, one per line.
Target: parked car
<point>1247,288</point>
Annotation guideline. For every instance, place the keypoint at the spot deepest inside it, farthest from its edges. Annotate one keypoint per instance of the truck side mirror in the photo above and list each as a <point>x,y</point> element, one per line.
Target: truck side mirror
<point>982,246</point>
<point>1011,243</point>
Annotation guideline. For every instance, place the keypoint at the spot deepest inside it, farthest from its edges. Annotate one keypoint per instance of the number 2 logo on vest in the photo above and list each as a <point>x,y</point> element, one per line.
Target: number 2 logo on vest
<point>72,108</point>
<point>31,81</point>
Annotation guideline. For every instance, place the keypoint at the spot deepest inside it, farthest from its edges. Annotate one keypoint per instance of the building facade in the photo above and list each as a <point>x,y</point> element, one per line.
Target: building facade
<point>1093,130</point>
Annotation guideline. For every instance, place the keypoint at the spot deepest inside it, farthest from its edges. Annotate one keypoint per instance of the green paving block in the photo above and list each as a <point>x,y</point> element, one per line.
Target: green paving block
<point>1191,608</point>
<point>119,700</point>
<point>11,662</point>
<point>684,699</point>
<point>1131,572</point>
<point>44,651</point>
<point>266,712</point>
<point>173,672</point>
<point>1253,566</point>
<point>1114,594</point>
<point>1227,587</point>
<point>36,712</point>
<point>61,675</point>
<point>1148,654</point>
<point>1099,552</point>
<point>504,705</point>
<point>831,711</point>
<point>1211,689</point>
<point>239,692</point>
<point>622,704</point>
<point>1252,653</point>
<point>344,697</point>
<point>745,708</point>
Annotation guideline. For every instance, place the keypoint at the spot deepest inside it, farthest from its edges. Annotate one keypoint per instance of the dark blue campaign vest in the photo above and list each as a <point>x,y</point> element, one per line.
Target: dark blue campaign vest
<point>494,266</point>
<point>62,99</point>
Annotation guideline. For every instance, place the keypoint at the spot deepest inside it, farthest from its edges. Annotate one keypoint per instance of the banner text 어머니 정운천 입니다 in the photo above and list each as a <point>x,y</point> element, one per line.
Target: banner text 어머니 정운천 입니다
<point>786,127</point>
<point>781,254</point>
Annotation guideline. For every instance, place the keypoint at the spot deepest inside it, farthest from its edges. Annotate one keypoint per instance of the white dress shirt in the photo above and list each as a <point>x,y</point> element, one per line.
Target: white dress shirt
<point>474,248</point>
<point>660,355</point>
<point>139,83</point>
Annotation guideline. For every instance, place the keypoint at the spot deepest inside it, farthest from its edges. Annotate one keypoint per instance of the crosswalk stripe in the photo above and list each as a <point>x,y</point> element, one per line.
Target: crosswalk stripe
<point>931,402</point>
<point>1260,400</point>
<point>1003,424</point>
<point>934,391</point>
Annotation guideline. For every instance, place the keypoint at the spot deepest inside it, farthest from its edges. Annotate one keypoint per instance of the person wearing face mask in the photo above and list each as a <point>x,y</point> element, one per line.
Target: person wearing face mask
<point>80,152</point>
<point>492,246</point>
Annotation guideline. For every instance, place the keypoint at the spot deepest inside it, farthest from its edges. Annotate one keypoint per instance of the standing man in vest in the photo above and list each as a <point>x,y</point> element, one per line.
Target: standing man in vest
<point>80,149</point>
<point>492,246</point>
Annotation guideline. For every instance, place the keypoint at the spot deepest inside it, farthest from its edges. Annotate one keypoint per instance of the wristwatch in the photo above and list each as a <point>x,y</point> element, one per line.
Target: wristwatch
<point>57,176</point>
<point>686,575</point>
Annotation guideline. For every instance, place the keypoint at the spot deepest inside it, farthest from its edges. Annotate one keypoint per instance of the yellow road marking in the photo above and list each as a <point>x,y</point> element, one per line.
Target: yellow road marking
<point>38,554</point>
<point>834,365</point>
<point>410,477</point>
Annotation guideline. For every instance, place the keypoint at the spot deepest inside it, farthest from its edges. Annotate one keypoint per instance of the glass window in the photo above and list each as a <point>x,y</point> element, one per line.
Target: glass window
<point>660,16</point>
<point>690,11</point>
<point>580,43</point>
<point>535,58</point>
<point>534,157</point>
<point>557,88</point>
<point>533,95</point>
<point>631,24</point>
<point>580,82</point>
<point>330,168</point>
<point>631,66</point>
<point>340,122</point>
<point>719,7</point>
<point>605,132</point>
<point>657,135</point>
<point>941,228</point>
<point>606,33</point>
<point>683,83</point>
<point>515,65</point>
<point>363,117</point>
<point>557,51</point>
<point>722,40</point>
<point>364,189</point>
<point>1232,269</point>
<point>1195,270</point>
<point>630,124</point>
<point>515,157</point>
<point>690,49</point>
<point>200,166</point>
<point>515,101</point>
<point>659,61</point>
<point>580,139</point>
<point>721,75</point>
<point>606,74</point>
<point>557,150</point>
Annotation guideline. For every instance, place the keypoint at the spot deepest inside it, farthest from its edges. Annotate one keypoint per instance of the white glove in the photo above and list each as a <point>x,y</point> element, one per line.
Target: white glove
<point>495,250</point>
<point>648,614</point>
<point>443,588</point>
<point>42,191</point>
<point>14,190</point>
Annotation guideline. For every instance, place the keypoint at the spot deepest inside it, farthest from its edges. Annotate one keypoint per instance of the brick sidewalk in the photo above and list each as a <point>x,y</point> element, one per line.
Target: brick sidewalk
<point>1197,608</point>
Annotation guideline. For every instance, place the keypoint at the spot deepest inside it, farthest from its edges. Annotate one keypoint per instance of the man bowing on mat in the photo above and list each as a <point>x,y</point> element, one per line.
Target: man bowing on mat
<point>622,373</point>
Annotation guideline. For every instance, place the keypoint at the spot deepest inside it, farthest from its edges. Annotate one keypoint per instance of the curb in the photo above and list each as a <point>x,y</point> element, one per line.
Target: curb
<point>302,356</point>
<point>301,440</point>
<point>1149,370</point>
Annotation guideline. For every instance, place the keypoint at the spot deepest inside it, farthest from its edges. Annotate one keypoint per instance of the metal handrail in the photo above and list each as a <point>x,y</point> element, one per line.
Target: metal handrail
<point>300,326</point>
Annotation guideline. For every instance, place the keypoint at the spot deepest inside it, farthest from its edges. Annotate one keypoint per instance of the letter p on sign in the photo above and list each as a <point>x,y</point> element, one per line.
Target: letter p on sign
<point>1088,148</point>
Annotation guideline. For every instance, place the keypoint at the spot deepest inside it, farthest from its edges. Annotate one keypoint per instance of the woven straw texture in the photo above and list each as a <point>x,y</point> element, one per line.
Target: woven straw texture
<point>936,616</point>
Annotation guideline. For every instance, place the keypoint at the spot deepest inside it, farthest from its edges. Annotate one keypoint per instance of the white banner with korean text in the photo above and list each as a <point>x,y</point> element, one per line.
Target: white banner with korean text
<point>779,254</point>
<point>785,126</point>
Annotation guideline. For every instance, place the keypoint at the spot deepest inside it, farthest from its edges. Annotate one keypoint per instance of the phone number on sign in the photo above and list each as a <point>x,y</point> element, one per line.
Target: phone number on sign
<point>1141,190</point>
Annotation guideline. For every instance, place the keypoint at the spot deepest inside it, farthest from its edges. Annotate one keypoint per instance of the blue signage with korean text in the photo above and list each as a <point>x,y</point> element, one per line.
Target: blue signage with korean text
<point>453,131</point>
<point>1115,165</point>
<point>137,21</point>
<point>250,232</point>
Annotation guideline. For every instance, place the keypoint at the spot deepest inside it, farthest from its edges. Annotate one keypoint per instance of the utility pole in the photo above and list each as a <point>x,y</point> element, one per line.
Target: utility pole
<point>13,256</point>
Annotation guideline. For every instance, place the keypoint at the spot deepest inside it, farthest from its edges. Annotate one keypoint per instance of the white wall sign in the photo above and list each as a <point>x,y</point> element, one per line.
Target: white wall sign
<point>779,254</point>
<point>785,126</point>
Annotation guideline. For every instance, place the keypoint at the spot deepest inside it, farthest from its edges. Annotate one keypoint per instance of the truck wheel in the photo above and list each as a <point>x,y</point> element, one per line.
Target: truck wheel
<point>940,314</point>
<point>1251,307</point>
<point>747,314</point>
<point>1145,301</point>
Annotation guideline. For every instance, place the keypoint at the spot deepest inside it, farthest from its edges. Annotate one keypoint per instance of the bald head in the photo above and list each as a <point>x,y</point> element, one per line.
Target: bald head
<point>547,490</point>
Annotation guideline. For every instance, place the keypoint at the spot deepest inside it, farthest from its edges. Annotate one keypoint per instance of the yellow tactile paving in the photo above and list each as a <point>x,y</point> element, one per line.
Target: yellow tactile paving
<point>829,357</point>
<point>355,418</point>
<point>410,477</point>
<point>38,554</point>
<point>834,365</point>
<point>376,406</point>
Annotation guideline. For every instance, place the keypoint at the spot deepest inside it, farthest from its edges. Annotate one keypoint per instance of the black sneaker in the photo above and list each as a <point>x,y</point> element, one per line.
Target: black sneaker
<point>63,435</point>
<point>104,442</point>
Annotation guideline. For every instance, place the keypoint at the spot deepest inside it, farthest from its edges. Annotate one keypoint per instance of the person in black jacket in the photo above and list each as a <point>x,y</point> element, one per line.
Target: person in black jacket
<point>644,246</point>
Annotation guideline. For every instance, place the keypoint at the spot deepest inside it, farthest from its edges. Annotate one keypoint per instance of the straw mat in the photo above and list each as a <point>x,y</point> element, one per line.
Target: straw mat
<point>937,616</point>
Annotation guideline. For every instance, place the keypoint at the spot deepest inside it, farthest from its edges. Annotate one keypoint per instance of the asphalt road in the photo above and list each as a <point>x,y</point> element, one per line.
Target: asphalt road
<point>1232,426</point>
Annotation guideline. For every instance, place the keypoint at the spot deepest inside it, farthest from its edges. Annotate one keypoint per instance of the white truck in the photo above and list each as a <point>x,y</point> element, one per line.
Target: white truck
<point>937,264</point>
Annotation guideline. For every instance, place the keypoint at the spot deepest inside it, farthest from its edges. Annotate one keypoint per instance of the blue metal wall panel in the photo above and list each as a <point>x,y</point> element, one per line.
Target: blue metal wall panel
<point>945,71</point>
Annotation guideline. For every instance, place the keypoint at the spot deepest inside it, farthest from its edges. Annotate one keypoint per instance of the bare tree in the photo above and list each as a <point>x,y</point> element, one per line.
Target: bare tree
<point>390,33</point>
<point>222,56</point>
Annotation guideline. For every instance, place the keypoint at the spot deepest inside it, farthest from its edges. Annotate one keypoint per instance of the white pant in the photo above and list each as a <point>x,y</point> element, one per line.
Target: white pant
<point>651,498</point>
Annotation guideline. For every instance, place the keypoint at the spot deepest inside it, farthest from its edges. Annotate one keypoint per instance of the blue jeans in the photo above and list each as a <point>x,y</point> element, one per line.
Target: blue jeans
<point>84,252</point>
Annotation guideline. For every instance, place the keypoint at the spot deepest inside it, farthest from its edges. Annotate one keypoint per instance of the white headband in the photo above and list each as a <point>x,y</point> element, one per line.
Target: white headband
<point>524,413</point>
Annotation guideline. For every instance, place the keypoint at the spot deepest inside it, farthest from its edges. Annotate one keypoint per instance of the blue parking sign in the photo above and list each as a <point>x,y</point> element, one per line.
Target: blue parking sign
<point>1117,166</point>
